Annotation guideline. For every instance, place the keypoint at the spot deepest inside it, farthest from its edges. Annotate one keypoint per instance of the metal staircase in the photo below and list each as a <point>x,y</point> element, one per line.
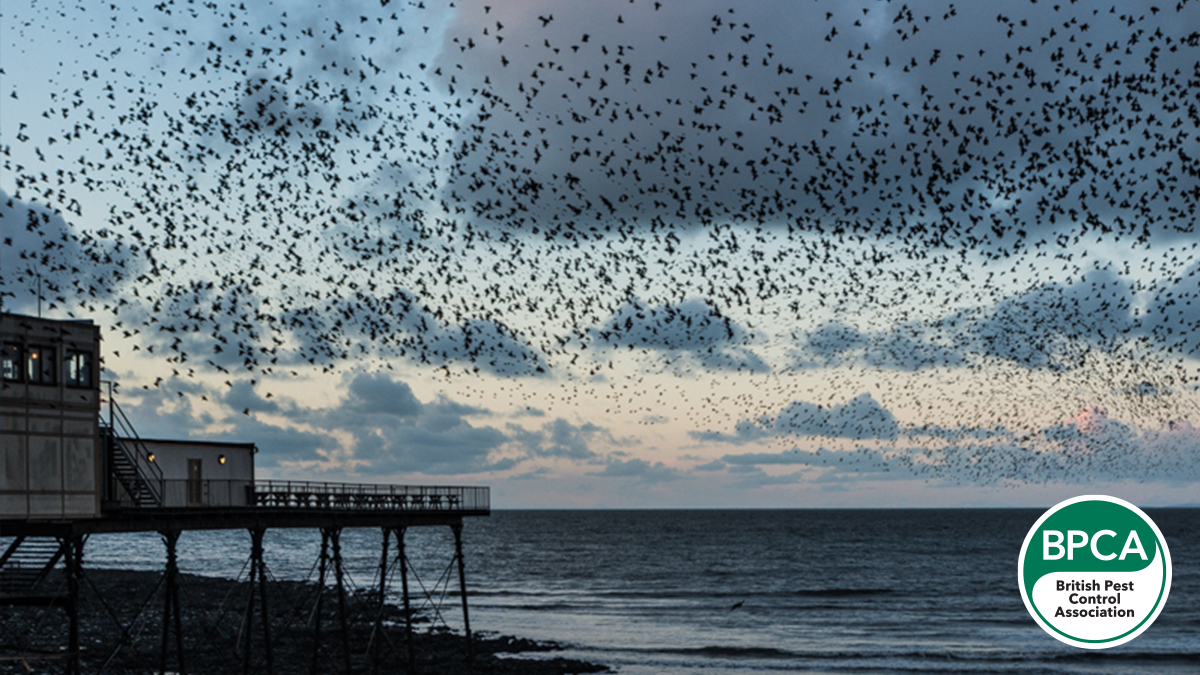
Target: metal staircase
<point>130,464</point>
<point>26,562</point>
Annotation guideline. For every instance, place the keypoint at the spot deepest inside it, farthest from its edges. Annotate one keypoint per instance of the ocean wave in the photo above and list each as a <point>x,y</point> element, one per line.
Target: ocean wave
<point>842,592</point>
<point>722,651</point>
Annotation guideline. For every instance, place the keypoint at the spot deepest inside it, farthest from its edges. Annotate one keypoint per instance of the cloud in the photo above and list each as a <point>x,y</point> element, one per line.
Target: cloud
<point>379,394</point>
<point>161,413</point>
<point>908,346</point>
<point>394,432</point>
<point>1174,313</point>
<point>690,325</point>
<point>640,469</point>
<point>695,327</point>
<point>744,432</point>
<point>77,269</point>
<point>400,323</point>
<point>754,477</point>
<point>1052,325</point>
<point>276,444</point>
<point>859,418</point>
<point>1049,326</point>
<point>560,439</point>
<point>1086,447</point>
<point>539,472</point>
<point>241,396</point>
<point>750,117</point>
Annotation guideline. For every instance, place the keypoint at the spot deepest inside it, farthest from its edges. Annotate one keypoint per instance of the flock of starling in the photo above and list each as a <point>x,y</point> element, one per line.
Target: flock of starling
<point>535,190</point>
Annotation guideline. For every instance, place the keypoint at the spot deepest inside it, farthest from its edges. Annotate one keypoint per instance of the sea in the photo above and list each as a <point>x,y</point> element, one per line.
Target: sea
<point>868,591</point>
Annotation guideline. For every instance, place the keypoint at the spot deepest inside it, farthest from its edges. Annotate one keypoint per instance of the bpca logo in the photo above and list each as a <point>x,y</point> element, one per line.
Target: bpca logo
<point>1094,571</point>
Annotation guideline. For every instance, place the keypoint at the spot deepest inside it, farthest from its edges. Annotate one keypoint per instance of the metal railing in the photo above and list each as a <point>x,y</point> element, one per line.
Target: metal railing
<point>123,438</point>
<point>307,494</point>
<point>208,493</point>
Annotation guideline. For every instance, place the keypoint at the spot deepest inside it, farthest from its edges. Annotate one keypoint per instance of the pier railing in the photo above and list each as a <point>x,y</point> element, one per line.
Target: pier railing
<point>306,494</point>
<point>183,493</point>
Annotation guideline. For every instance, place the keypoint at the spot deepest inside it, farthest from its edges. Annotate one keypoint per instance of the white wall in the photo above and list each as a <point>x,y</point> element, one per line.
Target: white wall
<point>221,484</point>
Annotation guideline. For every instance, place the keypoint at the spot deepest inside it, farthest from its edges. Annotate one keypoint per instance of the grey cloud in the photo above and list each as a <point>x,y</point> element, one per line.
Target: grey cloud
<point>640,469</point>
<point>1087,447</point>
<point>690,325</point>
<point>1049,326</point>
<point>744,432</point>
<point>411,330</point>
<point>1174,313</point>
<point>394,432</point>
<point>754,477</point>
<point>241,396</point>
<point>379,394</point>
<point>161,413</point>
<point>861,417</point>
<point>1046,326</point>
<point>561,439</point>
<point>77,268</point>
<point>956,433</point>
<point>277,444</point>
<point>695,327</point>
<point>905,346</point>
<point>766,142</point>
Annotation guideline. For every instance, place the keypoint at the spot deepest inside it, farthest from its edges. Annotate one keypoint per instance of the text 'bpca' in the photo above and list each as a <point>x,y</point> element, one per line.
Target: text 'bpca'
<point>1053,547</point>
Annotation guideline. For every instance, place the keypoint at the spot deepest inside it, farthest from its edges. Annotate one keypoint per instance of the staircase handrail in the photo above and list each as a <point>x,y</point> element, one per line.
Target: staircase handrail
<point>127,434</point>
<point>123,432</point>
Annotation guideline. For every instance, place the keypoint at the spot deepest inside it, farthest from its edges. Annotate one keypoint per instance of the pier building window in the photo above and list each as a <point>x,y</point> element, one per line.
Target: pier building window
<point>12,363</point>
<point>79,369</point>
<point>40,366</point>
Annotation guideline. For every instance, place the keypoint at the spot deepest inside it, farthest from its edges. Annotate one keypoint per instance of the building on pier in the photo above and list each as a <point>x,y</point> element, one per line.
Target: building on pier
<point>74,466</point>
<point>50,419</point>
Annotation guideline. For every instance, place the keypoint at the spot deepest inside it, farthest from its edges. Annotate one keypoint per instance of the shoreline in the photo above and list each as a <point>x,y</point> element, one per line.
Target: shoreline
<point>212,615</point>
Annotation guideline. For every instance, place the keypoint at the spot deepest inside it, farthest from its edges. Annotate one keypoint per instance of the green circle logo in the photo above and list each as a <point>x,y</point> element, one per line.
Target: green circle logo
<point>1094,571</point>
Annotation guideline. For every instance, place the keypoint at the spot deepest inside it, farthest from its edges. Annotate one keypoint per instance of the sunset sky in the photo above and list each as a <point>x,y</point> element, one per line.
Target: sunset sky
<point>629,254</point>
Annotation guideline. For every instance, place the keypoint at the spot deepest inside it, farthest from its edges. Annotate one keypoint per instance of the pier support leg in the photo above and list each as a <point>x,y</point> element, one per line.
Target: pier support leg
<point>258,572</point>
<point>377,633</point>
<point>323,566</point>
<point>171,609</point>
<point>408,617</point>
<point>248,621</point>
<point>266,616</point>
<point>73,552</point>
<point>335,536</point>
<point>462,588</point>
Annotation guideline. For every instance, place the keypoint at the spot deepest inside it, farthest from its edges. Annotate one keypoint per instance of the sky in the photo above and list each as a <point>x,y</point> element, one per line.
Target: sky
<point>629,254</point>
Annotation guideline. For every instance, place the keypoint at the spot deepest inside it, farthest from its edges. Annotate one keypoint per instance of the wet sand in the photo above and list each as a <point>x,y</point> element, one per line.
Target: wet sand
<point>212,612</point>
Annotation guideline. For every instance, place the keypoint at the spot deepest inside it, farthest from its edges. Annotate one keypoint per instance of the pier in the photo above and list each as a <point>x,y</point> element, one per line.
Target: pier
<point>74,467</point>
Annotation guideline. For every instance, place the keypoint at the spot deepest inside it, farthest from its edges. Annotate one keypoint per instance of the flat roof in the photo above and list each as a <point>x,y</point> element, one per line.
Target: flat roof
<point>177,441</point>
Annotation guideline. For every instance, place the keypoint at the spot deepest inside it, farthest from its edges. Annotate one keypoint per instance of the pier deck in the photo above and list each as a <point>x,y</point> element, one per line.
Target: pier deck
<point>274,504</point>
